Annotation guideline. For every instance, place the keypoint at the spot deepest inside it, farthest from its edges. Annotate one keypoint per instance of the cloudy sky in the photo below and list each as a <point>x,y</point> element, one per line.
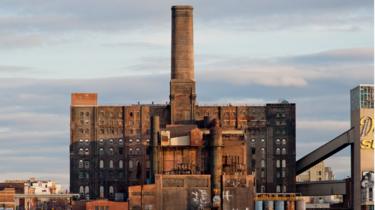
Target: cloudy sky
<point>308,52</point>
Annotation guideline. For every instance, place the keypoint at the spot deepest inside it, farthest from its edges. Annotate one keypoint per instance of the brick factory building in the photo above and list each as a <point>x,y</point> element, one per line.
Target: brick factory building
<point>114,147</point>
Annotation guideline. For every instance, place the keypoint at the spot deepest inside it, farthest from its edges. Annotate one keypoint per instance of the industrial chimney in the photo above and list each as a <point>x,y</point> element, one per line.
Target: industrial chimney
<point>182,43</point>
<point>182,85</point>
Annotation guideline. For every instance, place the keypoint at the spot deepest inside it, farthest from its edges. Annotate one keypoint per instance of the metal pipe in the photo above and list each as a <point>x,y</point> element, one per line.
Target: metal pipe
<point>216,144</point>
<point>155,128</point>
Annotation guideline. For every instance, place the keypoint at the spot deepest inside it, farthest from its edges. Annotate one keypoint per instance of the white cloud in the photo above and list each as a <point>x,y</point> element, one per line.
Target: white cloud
<point>293,71</point>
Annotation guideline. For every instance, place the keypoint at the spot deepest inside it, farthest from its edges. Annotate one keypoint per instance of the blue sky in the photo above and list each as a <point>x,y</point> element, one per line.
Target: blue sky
<point>308,52</point>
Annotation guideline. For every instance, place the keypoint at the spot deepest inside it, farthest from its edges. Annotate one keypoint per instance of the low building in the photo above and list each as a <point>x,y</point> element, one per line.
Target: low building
<point>319,172</point>
<point>7,199</point>
<point>37,194</point>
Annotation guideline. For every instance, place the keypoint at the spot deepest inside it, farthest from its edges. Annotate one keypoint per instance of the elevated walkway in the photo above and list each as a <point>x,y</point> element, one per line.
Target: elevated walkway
<point>322,188</point>
<point>324,151</point>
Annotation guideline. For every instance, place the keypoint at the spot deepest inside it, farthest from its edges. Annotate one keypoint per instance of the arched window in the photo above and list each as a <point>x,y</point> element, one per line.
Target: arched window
<point>277,141</point>
<point>111,151</point>
<point>111,190</point>
<point>81,152</point>
<point>80,164</point>
<point>283,141</point>
<point>120,164</point>
<point>101,164</point>
<point>277,151</point>
<point>283,151</point>
<point>81,190</point>
<point>87,164</point>
<point>87,152</point>
<point>87,190</point>
<point>283,163</point>
<point>284,188</point>
<point>101,151</point>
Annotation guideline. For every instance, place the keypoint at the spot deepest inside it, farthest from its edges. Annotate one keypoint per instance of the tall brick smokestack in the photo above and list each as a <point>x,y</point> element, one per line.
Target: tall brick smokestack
<point>182,62</point>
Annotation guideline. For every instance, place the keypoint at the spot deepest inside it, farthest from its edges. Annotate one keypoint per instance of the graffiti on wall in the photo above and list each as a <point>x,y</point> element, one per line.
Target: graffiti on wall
<point>367,186</point>
<point>199,198</point>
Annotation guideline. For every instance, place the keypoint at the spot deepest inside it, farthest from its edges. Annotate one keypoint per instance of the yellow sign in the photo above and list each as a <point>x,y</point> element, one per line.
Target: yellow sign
<point>367,133</point>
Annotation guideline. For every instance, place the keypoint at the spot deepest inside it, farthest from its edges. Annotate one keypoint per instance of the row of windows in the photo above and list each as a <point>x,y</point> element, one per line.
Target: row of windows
<point>111,151</point>
<point>282,141</point>
<point>254,140</point>
<point>279,163</point>
<point>86,164</point>
<point>110,122</point>
<point>278,115</point>
<point>278,188</point>
<point>111,130</point>
<point>131,151</point>
<point>279,174</point>
<point>83,175</point>
<point>280,131</point>
<point>84,151</point>
<point>281,151</point>
<point>82,114</point>
<point>86,190</point>
<point>110,164</point>
<point>278,141</point>
<point>112,141</point>
<point>109,114</point>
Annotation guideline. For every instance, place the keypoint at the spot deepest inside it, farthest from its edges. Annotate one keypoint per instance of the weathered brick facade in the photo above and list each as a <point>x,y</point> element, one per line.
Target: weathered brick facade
<point>113,147</point>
